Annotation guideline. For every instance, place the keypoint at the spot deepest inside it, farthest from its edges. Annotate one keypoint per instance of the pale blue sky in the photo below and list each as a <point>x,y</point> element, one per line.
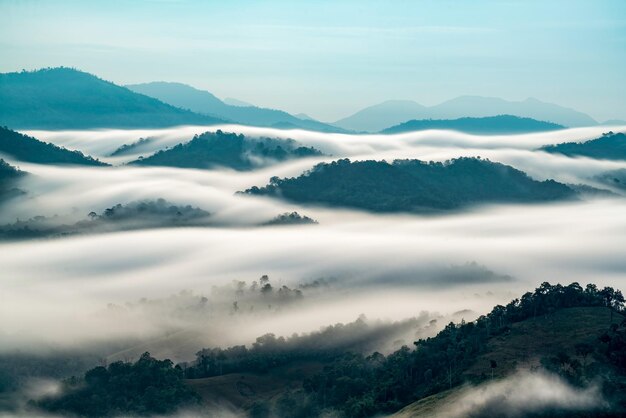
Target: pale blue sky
<point>329,58</point>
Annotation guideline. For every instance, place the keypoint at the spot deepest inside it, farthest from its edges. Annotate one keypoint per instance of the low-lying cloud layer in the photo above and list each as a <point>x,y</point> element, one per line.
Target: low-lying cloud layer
<point>54,291</point>
<point>519,395</point>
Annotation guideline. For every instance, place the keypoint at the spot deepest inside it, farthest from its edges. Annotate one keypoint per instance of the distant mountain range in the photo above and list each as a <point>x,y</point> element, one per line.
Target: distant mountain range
<point>26,148</point>
<point>412,185</point>
<point>502,124</point>
<point>610,146</point>
<point>64,98</point>
<point>390,113</point>
<point>200,101</point>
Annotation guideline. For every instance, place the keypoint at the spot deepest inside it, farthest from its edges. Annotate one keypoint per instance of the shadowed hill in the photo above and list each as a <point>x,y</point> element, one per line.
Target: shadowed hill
<point>221,149</point>
<point>502,124</point>
<point>27,148</point>
<point>610,146</point>
<point>412,185</point>
<point>64,98</point>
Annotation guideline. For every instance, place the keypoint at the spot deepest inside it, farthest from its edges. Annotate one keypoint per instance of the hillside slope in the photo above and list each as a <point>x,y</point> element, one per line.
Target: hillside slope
<point>523,347</point>
<point>27,148</point>
<point>64,98</point>
<point>610,146</point>
<point>200,101</point>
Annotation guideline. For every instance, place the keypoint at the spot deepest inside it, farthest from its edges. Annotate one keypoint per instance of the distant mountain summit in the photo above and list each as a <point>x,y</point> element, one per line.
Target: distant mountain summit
<point>501,124</point>
<point>65,98</point>
<point>201,101</point>
<point>378,117</point>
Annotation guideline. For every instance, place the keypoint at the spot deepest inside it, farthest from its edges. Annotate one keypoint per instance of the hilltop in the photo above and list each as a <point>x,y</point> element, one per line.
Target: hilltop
<point>223,149</point>
<point>610,146</point>
<point>502,124</point>
<point>412,185</point>
<point>65,98</point>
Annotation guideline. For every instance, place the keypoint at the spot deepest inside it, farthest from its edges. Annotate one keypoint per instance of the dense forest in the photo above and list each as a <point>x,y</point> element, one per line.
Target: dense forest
<point>413,185</point>
<point>27,148</point>
<point>502,124</point>
<point>65,98</point>
<point>358,383</point>
<point>220,149</point>
<point>146,387</point>
<point>292,218</point>
<point>135,215</point>
<point>610,146</point>
<point>8,176</point>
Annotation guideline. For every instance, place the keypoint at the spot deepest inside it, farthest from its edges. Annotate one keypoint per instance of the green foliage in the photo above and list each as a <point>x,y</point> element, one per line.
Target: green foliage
<point>215,149</point>
<point>501,124</point>
<point>147,387</point>
<point>361,386</point>
<point>26,148</point>
<point>610,146</point>
<point>412,185</point>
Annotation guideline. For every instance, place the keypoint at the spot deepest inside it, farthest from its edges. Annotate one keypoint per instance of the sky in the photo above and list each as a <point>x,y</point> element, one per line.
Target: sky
<point>330,58</point>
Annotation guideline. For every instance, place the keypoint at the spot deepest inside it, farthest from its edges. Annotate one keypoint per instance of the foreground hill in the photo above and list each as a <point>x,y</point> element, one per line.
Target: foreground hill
<point>610,146</point>
<point>27,148</point>
<point>576,336</point>
<point>412,185</point>
<point>502,124</point>
<point>200,101</point>
<point>378,117</point>
<point>220,149</point>
<point>64,98</point>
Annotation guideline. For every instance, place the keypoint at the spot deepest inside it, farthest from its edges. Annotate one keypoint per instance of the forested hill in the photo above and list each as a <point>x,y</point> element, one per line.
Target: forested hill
<point>27,148</point>
<point>8,176</point>
<point>64,98</point>
<point>412,185</point>
<point>576,333</point>
<point>502,124</point>
<point>610,146</point>
<point>222,149</point>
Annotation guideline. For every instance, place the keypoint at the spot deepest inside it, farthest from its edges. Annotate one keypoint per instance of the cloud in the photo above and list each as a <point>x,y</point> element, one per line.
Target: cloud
<point>521,394</point>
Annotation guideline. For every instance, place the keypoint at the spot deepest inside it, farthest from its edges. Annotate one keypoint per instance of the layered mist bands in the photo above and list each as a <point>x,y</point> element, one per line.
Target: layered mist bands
<point>171,260</point>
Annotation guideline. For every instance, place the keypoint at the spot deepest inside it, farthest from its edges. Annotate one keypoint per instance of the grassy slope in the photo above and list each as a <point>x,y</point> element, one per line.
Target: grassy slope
<point>527,342</point>
<point>241,390</point>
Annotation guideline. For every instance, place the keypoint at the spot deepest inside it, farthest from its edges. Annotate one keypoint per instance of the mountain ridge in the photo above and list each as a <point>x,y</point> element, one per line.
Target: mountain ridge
<point>393,112</point>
